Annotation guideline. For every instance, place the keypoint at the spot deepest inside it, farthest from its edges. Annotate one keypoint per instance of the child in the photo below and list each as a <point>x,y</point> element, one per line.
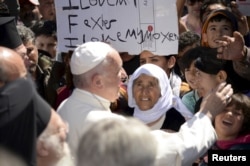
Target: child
<point>46,36</point>
<point>187,41</point>
<point>218,24</point>
<point>186,63</point>
<point>233,126</point>
<point>210,71</point>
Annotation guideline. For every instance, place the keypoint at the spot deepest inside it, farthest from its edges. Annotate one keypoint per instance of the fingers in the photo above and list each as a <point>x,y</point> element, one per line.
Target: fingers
<point>238,36</point>
<point>213,91</point>
<point>222,90</point>
<point>216,100</point>
<point>242,19</point>
<point>223,47</point>
<point>235,9</point>
<point>229,47</point>
<point>223,53</point>
<point>220,87</point>
<point>225,92</point>
<point>224,41</point>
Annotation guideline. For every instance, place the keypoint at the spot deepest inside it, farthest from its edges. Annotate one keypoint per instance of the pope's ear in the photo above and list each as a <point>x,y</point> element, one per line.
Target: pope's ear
<point>97,80</point>
<point>41,149</point>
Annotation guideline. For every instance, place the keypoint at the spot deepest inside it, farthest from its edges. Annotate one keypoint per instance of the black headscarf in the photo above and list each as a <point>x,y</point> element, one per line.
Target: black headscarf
<point>9,36</point>
<point>23,117</point>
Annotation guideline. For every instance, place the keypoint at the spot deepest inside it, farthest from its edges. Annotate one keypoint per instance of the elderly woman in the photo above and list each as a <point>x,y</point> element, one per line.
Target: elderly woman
<point>150,94</point>
<point>167,63</point>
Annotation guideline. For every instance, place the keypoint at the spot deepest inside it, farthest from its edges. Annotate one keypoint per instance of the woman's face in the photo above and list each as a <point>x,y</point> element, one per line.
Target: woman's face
<point>229,123</point>
<point>190,75</point>
<point>161,61</point>
<point>205,82</point>
<point>146,91</point>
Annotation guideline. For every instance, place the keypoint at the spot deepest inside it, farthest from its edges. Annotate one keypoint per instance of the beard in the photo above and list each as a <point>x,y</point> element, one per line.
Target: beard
<point>32,66</point>
<point>60,151</point>
<point>66,159</point>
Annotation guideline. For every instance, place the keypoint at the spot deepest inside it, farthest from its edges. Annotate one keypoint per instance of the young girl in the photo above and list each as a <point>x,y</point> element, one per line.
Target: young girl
<point>210,72</point>
<point>186,63</point>
<point>233,126</point>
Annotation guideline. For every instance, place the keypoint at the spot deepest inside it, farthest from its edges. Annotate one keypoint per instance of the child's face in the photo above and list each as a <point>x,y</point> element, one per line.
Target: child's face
<point>229,123</point>
<point>205,82</point>
<point>215,31</point>
<point>190,75</point>
<point>46,43</point>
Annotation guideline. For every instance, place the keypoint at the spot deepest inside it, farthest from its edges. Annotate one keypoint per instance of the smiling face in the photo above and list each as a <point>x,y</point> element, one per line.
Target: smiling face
<point>215,31</point>
<point>229,123</point>
<point>206,82</point>
<point>190,75</point>
<point>146,91</point>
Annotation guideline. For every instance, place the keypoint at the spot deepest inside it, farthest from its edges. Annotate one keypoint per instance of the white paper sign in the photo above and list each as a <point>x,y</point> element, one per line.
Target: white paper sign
<point>244,7</point>
<point>128,25</point>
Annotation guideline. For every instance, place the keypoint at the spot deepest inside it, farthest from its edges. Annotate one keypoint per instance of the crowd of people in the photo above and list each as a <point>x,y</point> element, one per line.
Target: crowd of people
<point>96,106</point>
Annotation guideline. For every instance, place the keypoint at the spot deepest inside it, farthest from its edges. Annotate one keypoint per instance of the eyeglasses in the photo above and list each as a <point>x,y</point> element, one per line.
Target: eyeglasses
<point>192,2</point>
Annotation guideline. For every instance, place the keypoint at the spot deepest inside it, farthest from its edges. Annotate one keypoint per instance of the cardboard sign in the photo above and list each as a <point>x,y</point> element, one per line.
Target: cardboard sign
<point>244,6</point>
<point>128,25</point>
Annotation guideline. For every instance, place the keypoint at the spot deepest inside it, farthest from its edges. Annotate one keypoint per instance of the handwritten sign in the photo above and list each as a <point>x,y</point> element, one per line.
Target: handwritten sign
<point>128,25</point>
<point>244,6</point>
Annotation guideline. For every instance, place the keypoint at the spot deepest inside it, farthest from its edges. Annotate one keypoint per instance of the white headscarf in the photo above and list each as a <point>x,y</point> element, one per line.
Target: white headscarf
<point>175,83</point>
<point>164,103</point>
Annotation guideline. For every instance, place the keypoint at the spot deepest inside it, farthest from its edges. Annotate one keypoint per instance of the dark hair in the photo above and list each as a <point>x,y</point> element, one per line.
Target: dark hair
<point>25,33</point>
<point>188,38</point>
<point>176,67</point>
<point>4,10</point>
<point>207,3</point>
<point>47,28</point>
<point>208,61</point>
<point>191,55</point>
<point>242,102</point>
<point>229,18</point>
